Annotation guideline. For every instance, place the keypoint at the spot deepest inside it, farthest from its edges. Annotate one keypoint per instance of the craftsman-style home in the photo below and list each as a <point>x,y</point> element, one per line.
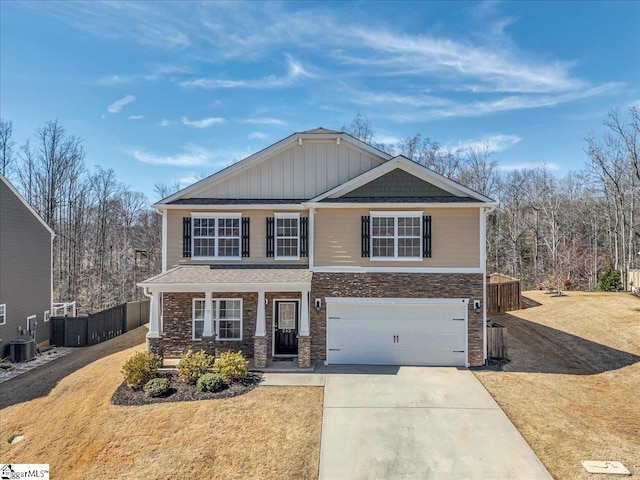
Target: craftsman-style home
<point>322,248</point>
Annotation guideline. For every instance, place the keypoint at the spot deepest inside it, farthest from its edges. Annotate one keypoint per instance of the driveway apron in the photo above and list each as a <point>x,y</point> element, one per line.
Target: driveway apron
<point>385,422</point>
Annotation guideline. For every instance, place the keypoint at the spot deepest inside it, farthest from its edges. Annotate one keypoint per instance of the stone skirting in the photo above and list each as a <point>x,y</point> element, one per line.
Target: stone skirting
<point>304,352</point>
<point>260,351</point>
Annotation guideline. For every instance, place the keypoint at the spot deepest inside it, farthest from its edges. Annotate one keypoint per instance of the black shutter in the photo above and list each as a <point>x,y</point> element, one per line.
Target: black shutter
<point>245,237</point>
<point>270,236</point>
<point>186,237</point>
<point>426,236</point>
<point>365,236</point>
<point>304,236</point>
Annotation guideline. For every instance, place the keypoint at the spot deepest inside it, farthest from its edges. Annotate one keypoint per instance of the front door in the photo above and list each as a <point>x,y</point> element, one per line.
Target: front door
<point>285,339</point>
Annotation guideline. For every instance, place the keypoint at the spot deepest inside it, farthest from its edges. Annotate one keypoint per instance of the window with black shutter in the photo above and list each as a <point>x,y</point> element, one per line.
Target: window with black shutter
<point>366,221</point>
<point>426,236</point>
<point>304,236</point>
<point>270,236</point>
<point>186,237</point>
<point>245,237</point>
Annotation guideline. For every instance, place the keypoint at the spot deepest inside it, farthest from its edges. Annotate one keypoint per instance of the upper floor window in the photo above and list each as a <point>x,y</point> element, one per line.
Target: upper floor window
<point>287,236</point>
<point>216,236</point>
<point>396,235</point>
<point>3,313</point>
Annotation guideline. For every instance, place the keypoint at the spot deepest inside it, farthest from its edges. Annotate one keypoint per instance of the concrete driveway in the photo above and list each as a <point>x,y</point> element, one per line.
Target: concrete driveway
<point>418,423</point>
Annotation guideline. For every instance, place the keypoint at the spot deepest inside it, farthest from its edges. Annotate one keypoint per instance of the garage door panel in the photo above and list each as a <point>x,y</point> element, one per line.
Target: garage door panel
<point>396,334</point>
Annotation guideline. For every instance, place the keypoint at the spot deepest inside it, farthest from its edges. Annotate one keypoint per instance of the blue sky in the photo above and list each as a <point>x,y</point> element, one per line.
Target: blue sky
<point>166,91</point>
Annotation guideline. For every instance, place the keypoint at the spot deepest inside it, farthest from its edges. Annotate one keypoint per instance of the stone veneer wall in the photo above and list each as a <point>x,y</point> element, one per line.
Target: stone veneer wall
<point>396,285</point>
<point>178,325</point>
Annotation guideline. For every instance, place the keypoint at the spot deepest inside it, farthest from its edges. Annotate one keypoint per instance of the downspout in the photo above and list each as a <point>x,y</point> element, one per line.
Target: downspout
<point>163,213</point>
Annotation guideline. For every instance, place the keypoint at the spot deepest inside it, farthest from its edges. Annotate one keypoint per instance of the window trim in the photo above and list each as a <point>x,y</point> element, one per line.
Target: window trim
<point>395,215</point>
<point>217,319</point>
<point>276,217</point>
<point>194,319</point>
<point>47,315</point>
<point>216,216</point>
<point>3,315</point>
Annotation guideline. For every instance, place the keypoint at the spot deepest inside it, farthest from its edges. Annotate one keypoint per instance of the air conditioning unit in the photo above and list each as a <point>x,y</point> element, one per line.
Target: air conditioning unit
<point>22,350</point>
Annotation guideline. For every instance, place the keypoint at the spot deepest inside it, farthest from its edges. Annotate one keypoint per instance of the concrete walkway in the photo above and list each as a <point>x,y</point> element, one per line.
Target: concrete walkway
<point>418,423</point>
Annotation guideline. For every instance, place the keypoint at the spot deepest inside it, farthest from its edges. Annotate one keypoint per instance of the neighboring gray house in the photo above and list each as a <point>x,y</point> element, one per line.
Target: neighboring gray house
<point>25,270</point>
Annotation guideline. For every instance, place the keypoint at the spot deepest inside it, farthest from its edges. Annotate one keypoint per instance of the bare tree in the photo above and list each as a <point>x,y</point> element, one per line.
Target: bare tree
<point>6,147</point>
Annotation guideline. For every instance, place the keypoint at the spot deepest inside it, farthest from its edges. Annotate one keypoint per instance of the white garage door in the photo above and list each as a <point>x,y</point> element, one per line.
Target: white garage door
<point>397,331</point>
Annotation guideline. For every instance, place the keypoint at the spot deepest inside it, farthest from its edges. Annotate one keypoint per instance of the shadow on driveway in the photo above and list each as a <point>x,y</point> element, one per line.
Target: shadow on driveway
<point>537,348</point>
<point>40,381</point>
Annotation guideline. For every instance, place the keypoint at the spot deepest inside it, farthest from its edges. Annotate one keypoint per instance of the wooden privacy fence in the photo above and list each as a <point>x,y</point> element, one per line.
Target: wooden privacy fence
<point>503,297</point>
<point>496,341</point>
<point>98,327</point>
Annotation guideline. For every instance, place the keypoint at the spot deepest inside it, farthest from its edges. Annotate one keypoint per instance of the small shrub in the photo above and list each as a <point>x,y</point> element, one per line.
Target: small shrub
<point>193,364</point>
<point>232,366</point>
<point>139,369</point>
<point>210,382</point>
<point>156,387</point>
<point>610,280</point>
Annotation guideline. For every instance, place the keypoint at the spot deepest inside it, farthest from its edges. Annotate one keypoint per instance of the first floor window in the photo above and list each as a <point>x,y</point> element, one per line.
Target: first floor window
<point>47,315</point>
<point>229,319</point>
<point>227,315</point>
<point>198,318</point>
<point>396,236</point>
<point>3,313</point>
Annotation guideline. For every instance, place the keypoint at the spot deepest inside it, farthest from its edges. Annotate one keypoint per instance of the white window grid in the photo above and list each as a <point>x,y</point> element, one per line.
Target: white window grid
<point>3,313</point>
<point>396,235</point>
<point>227,315</point>
<point>287,236</point>
<point>216,236</point>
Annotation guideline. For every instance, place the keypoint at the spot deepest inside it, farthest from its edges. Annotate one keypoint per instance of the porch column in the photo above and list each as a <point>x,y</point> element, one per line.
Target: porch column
<point>260,346</point>
<point>154,316</point>
<point>304,314</point>
<point>208,316</point>
<point>261,322</point>
<point>154,336</point>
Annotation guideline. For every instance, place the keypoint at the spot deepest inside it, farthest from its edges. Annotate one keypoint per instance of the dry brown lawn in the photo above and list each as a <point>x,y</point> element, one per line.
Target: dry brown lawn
<point>573,386</point>
<point>268,433</point>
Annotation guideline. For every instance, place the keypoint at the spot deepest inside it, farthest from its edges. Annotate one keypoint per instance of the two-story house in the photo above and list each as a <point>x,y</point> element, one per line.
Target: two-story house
<point>323,248</point>
<point>25,271</point>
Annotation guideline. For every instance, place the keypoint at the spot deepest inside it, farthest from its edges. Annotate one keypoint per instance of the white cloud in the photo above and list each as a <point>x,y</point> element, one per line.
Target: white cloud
<point>295,71</point>
<point>494,143</point>
<point>204,123</point>
<point>116,106</point>
<point>158,72</point>
<point>264,121</point>
<point>530,166</point>
<point>164,123</point>
<point>192,157</point>
<point>135,117</point>
<point>258,136</point>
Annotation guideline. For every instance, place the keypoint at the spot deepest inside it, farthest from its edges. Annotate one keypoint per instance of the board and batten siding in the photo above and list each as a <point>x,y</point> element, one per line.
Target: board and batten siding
<point>25,269</point>
<point>296,172</point>
<point>257,239</point>
<point>455,238</point>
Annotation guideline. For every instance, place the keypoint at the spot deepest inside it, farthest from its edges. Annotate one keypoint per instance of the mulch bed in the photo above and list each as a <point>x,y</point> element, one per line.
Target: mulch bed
<point>180,391</point>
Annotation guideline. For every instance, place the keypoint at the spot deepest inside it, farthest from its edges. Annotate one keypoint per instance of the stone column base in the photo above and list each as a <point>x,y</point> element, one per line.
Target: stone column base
<point>154,345</point>
<point>260,349</point>
<point>304,352</point>
<point>209,345</point>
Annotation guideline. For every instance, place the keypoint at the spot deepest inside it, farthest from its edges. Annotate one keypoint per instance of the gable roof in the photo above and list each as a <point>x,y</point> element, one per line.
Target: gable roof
<point>13,190</point>
<point>264,154</point>
<point>443,189</point>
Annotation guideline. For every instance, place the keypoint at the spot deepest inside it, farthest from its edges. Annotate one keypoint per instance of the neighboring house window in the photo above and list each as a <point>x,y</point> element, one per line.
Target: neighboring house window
<point>47,315</point>
<point>3,313</point>
<point>216,236</point>
<point>396,235</point>
<point>198,318</point>
<point>287,236</point>
<point>229,319</point>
